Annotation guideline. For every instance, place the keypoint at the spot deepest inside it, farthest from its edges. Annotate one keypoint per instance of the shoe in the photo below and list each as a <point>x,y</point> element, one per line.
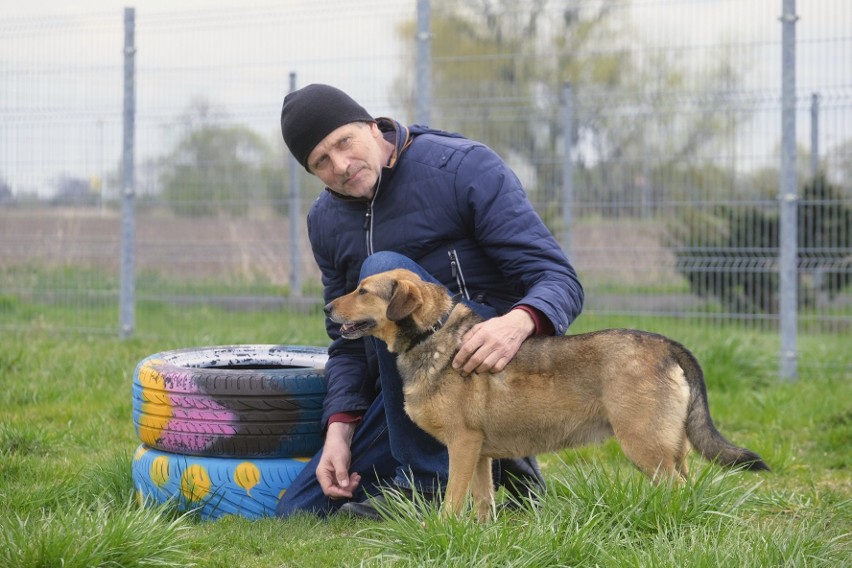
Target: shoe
<point>371,507</point>
<point>522,478</point>
<point>363,510</point>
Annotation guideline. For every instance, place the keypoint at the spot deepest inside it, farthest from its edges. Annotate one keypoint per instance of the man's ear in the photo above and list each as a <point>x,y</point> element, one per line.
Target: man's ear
<point>405,299</point>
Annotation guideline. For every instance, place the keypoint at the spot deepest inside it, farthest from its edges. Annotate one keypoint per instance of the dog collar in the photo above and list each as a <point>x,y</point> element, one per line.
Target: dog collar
<point>427,333</point>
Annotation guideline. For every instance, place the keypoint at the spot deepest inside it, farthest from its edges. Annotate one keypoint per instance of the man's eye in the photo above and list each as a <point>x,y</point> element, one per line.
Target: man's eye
<point>344,142</point>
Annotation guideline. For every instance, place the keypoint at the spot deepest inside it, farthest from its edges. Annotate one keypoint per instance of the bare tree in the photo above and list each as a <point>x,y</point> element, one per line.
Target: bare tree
<point>499,68</point>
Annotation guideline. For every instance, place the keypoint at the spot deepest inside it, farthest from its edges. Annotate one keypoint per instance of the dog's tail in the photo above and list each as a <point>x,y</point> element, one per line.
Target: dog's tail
<point>700,430</point>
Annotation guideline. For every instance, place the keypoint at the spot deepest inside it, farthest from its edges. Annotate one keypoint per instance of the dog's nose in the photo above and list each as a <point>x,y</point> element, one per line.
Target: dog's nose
<point>327,309</point>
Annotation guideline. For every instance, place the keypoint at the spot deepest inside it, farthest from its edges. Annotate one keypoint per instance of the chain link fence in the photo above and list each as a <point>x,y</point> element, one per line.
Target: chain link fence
<point>647,133</point>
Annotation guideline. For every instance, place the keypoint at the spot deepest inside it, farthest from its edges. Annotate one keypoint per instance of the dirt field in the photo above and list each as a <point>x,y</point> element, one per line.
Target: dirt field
<point>252,249</point>
<point>229,250</point>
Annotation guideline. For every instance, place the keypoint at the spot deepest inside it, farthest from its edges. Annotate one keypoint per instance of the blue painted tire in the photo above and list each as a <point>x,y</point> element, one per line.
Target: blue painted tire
<point>213,487</point>
<point>231,401</point>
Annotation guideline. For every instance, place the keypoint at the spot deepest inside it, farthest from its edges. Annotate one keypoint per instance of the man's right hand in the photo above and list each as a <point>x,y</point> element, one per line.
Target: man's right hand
<point>333,468</point>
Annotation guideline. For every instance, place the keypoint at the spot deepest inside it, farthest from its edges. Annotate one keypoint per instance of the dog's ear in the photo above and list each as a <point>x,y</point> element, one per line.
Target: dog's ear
<point>406,298</point>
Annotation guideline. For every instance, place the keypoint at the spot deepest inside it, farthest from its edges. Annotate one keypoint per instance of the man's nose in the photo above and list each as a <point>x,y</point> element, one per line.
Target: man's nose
<point>339,163</point>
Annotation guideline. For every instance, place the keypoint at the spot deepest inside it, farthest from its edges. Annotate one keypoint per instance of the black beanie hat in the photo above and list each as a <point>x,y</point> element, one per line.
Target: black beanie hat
<point>312,113</point>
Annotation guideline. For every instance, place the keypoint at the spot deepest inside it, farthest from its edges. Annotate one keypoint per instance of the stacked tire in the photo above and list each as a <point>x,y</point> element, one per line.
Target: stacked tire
<point>226,429</point>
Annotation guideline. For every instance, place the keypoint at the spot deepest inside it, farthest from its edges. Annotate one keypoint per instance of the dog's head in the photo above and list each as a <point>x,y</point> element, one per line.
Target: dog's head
<point>389,305</point>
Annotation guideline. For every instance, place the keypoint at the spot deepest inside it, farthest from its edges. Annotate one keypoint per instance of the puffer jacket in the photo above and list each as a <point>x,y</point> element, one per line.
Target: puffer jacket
<point>453,206</point>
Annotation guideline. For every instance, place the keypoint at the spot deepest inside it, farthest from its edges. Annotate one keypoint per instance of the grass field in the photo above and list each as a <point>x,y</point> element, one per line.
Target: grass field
<point>66,441</point>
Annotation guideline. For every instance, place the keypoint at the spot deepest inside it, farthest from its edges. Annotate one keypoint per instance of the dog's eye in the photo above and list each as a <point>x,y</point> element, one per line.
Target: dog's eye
<point>362,291</point>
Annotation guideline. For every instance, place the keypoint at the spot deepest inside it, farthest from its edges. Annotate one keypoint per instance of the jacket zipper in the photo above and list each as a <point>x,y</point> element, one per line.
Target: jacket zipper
<point>368,218</point>
<point>455,267</point>
<point>368,228</point>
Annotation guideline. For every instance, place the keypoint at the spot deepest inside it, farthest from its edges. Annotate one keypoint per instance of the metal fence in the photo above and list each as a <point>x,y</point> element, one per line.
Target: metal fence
<point>648,134</point>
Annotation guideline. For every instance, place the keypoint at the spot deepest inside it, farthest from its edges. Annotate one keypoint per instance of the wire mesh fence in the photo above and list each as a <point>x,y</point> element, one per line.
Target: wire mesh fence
<point>671,148</point>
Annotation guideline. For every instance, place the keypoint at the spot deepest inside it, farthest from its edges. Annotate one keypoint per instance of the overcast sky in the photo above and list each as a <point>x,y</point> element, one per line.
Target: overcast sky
<point>195,40</point>
<point>15,8</point>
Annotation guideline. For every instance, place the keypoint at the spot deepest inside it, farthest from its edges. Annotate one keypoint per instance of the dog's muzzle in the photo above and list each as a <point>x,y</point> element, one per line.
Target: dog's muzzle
<point>356,329</point>
<point>349,329</point>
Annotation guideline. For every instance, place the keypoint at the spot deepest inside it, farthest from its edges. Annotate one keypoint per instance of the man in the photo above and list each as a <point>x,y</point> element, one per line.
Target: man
<point>450,209</point>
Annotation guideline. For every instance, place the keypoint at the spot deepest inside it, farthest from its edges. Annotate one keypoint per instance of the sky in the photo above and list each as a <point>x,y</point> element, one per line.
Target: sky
<point>16,9</point>
<point>62,84</point>
<point>238,54</point>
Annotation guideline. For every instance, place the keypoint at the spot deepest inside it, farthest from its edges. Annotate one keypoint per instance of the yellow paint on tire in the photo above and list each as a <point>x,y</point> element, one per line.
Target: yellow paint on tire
<point>151,425</point>
<point>160,471</point>
<point>247,475</point>
<point>195,483</point>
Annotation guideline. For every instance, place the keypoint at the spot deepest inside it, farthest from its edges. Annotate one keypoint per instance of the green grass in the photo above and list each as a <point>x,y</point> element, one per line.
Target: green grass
<point>66,441</point>
<point>606,515</point>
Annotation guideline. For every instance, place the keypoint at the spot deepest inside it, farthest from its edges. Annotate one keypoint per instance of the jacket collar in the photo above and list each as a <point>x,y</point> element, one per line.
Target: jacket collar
<point>399,135</point>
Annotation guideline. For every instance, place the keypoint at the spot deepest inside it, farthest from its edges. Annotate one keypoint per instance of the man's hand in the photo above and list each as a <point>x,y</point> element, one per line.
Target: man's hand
<point>490,345</point>
<point>333,468</point>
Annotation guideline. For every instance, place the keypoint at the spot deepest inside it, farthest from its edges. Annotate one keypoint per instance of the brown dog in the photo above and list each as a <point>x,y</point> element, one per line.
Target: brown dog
<point>558,392</point>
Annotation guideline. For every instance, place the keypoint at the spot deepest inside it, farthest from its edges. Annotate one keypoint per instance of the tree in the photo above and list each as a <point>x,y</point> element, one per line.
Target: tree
<point>840,171</point>
<point>731,254</point>
<point>499,69</point>
<point>73,191</point>
<point>825,239</point>
<point>5,192</point>
<point>217,168</point>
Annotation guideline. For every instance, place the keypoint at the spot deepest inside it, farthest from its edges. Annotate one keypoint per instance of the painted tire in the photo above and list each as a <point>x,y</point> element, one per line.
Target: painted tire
<point>213,487</point>
<point>231,401</point>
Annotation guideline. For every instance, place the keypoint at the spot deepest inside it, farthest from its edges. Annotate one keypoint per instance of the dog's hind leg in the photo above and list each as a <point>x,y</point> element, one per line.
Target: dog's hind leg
<point>482,489</point>
<point>464,452</point>
<point>681,465</point>
<point>657,450</point>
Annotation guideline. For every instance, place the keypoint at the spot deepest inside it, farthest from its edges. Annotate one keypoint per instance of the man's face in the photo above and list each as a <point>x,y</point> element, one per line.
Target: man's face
<point>350,159</point>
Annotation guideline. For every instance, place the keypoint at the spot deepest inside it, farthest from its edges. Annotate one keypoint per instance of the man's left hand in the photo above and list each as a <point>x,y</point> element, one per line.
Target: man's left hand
<point>490,345</point>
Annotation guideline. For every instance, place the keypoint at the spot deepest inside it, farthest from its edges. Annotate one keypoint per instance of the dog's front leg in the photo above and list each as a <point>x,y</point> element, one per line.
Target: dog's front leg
<point>464,457</point>
<point>483,489</point>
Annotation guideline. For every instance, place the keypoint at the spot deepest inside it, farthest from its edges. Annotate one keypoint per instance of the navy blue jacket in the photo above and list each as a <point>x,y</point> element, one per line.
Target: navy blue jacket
<point>442,196</point>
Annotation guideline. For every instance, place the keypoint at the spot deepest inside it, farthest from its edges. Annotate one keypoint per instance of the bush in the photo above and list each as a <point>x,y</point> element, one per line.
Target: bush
<point>732,254</point>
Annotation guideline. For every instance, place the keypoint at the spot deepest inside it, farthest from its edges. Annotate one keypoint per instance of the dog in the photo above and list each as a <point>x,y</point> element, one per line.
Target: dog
<point>557,392</point>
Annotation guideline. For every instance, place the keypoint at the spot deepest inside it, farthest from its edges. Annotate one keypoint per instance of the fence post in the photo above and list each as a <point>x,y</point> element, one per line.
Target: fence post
<point>788,195</point>
<point>567,167</point>
<point>295,221</point>
<point>814,135</point>
<point>127,277</point>
<point>424,64</point>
